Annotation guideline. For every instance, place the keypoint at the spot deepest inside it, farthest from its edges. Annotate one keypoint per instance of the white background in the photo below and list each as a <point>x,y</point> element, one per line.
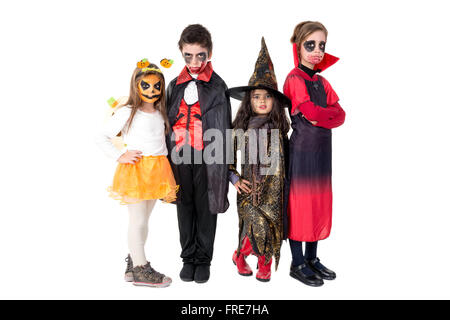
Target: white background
<point>62,237</point>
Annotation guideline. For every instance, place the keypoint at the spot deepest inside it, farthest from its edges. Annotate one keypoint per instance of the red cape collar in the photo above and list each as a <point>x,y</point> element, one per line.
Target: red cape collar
<point>327,61</point>
<point>185,76</point>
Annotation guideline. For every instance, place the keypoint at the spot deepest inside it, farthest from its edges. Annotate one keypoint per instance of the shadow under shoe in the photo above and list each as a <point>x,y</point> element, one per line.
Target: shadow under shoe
<point>149,277</point>
<point>309,278</point>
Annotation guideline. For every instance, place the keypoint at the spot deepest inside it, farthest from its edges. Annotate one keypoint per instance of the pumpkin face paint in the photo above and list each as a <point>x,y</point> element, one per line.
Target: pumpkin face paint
<point>150,88</point>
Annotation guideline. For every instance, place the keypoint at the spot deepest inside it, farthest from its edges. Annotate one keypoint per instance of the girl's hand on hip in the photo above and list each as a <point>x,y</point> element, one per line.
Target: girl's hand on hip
<point>241,185</point>
<point>130,156</point>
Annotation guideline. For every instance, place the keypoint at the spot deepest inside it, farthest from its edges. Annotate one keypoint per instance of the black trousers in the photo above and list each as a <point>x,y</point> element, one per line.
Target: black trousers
<point>196,223</point>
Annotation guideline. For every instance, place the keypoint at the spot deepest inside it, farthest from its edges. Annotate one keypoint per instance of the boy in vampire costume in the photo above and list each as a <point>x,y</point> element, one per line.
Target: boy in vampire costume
<point>197,101</point>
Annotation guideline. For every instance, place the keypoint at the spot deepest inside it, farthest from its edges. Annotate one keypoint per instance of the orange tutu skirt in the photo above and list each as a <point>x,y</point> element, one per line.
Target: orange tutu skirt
<point>149,178</point>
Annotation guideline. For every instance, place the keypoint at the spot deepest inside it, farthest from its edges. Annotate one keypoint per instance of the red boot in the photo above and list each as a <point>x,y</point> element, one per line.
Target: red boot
<point>239,261</point>
<point>264,272</point>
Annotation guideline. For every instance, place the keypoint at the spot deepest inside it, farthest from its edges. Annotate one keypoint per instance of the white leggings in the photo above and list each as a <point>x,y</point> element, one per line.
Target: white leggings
<point>139,214</point>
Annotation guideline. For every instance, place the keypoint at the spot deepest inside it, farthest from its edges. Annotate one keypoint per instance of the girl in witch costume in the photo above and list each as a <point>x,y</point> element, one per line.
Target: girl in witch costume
<point>315,111</point>
<point>260,189</point>
<point>143,172</point>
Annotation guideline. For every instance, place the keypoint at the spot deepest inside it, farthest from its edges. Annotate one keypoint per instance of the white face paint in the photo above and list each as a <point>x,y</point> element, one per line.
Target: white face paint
<point>195,56</point>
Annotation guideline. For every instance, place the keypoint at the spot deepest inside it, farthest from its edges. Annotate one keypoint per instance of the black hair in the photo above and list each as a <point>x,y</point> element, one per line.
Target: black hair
<point>277,115</point>
<point>196,33</point>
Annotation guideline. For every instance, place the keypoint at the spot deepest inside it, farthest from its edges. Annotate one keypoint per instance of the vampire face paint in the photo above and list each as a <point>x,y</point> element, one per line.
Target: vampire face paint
<point>192,61</point>
<point>188,57</point>
<point>312,49</point>
<point>311,45</point>
<point>196,57</point>
<point>150,88</point>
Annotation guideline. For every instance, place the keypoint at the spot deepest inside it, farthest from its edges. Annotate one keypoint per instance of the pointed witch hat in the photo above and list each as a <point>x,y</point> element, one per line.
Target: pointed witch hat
<point>262,78</point>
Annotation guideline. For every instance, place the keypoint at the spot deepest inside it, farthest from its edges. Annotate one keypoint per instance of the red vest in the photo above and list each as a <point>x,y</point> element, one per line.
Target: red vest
<point>188,126</point>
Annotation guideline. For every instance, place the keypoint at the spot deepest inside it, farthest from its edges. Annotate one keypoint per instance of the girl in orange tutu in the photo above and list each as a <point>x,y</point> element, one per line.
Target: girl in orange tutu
<point>143,173</point>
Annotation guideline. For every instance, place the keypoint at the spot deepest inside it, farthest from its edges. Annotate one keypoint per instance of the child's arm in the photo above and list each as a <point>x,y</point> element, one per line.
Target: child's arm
<point>332,104</point>
<point>295,89</point>
<point>336,121</point>
<point>239,183</point>
<point>233,175</point>
<point>109,131</point>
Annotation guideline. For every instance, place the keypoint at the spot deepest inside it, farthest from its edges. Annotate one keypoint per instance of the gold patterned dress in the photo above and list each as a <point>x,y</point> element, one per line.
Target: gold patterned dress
<point>261,211</point>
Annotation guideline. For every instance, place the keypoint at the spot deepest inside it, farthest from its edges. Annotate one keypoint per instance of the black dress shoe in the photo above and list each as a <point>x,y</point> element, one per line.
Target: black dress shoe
<point>187,273</point>
<point>201,273</point>
<point>320,269</point>
<point>299,273</point>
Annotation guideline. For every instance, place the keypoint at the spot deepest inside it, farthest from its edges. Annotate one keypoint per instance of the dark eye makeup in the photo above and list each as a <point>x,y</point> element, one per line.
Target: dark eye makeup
<point>144,85</point>
<point>187,58</point>
<point>311,45</point>
<point>322,46</point>
<point>201,56</point>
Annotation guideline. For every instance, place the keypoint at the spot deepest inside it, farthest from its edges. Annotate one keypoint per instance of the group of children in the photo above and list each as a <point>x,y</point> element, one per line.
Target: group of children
<point>284,185</point>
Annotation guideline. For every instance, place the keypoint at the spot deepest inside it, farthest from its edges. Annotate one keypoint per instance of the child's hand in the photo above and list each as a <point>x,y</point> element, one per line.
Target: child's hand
<point>131,156</point>
<point>313,122</point>
<point>241,186</point>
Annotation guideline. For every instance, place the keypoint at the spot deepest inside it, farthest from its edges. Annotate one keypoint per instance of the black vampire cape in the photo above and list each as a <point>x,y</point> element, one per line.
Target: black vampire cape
<point>216,114</point>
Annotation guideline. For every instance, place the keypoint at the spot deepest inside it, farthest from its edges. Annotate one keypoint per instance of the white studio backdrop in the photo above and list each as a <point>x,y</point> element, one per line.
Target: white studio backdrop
<point>62,237</point>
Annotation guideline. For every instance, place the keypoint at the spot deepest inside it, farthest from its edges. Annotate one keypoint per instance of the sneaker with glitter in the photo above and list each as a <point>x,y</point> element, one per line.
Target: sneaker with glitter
<point>149,277</point>
<point>129,271</point>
